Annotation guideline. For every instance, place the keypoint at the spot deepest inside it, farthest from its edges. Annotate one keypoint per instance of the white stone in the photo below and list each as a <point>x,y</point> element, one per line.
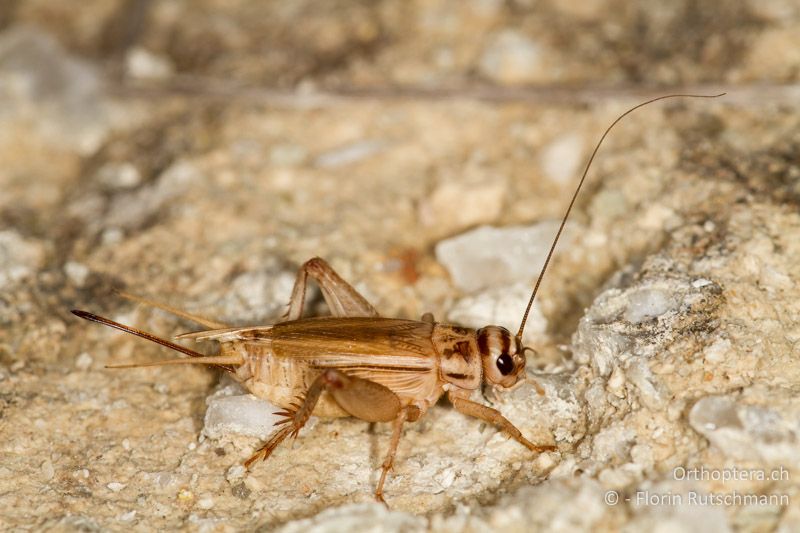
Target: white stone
<point>561,158</point>
<point>83,361</point>
<point>143,64</point>
<point>349,154</point>
<point>243,414</point>
<point>745,432</point>
<point>205,503</point>
<point>511,58</point>
<point>488,256</point>
<point>365,517</point>
<point>234,473</point>
<point>59,94</point>
<point>288,155</point>
<point>48,471</point>
<point>257,294</point>
<point>717,351</point>
<point>123,175</point>
<point>647,385</point>
<point>648,303</point>
<point>19,257</point>
<point>115,486</point>
<point>76,272</point>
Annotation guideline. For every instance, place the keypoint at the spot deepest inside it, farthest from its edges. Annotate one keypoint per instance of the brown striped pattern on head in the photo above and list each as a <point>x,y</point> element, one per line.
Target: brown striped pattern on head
<point>494,343</point>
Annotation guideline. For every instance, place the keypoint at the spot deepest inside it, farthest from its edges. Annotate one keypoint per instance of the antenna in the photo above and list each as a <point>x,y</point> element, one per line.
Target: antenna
<point>578,189</point>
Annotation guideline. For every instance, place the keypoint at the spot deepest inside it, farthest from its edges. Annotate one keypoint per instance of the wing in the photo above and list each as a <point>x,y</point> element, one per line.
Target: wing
<point>398,354</point>
<point>361,341</point>
<point>222,335</point>
<point>335,341</point>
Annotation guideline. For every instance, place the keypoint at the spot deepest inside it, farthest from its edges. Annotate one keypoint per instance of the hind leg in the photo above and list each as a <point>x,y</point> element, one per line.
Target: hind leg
<point>341,297</point>
<point>360,398</point>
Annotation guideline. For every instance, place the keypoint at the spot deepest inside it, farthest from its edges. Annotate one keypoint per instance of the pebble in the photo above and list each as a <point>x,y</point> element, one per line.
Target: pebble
<point>701,282</point>
<point>48,471</point>
<point>235,472</point>
<point>647,304</point>
<point>511,58</point>
<point>76,272</point>
<point>205,503</point>
<point>560,159</point>
<point>243,414</point>
<point>493,256</point>
<point>349,154</point>
<point>83,361</point>
<point>19,257</point>
<point>123,175</point>
<point>143,64</point>
<point>115,486</point>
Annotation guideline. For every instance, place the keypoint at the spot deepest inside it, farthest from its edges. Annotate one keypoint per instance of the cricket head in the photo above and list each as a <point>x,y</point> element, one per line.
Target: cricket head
<point>502,354</point>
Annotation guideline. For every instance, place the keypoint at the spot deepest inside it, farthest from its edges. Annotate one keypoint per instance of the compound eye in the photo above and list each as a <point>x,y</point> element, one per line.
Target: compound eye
<point>505,364</point>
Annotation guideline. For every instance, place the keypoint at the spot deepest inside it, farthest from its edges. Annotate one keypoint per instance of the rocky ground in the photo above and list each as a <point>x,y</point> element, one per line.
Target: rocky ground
<point>199,152</point>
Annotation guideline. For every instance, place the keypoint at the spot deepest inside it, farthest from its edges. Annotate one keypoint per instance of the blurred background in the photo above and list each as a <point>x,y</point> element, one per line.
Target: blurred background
<point>200,151</point>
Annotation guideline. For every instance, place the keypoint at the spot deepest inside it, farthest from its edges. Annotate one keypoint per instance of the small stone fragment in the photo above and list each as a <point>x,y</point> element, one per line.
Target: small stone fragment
<point>243,414</point>
<point>647,304</point>
<point>205,503</point>
<point>48,472</point>
<point>745,432</point>
<point>511,58</point>
<point>83,361</point>
<point>76,272</point>
<point>19,257</point>
<point>235,472</point>
<point>496,256</point>
<point>560,159</point>
<point>349,154</point>
<point>120,176</point>
<point>143,64</point>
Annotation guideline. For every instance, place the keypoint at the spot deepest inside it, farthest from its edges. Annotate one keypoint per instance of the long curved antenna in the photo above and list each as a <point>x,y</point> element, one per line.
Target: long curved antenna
<point>578,189</point>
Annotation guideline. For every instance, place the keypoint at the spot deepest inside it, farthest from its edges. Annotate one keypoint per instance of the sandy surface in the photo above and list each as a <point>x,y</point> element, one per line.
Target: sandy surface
<point>198,153</point>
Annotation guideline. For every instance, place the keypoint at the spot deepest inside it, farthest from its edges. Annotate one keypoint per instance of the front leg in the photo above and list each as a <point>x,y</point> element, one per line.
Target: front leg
<point>493,416</point>
<point>341,297</point>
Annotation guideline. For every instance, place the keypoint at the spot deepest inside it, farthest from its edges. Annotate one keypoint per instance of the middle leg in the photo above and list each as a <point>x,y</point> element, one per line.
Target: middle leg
<point>388,462</point>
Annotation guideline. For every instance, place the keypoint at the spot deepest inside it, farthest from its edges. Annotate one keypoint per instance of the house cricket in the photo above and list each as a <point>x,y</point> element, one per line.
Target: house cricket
<point>358,363</point>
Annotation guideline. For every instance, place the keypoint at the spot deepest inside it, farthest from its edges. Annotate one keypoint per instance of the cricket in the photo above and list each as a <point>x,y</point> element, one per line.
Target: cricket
<point>360,364</point>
